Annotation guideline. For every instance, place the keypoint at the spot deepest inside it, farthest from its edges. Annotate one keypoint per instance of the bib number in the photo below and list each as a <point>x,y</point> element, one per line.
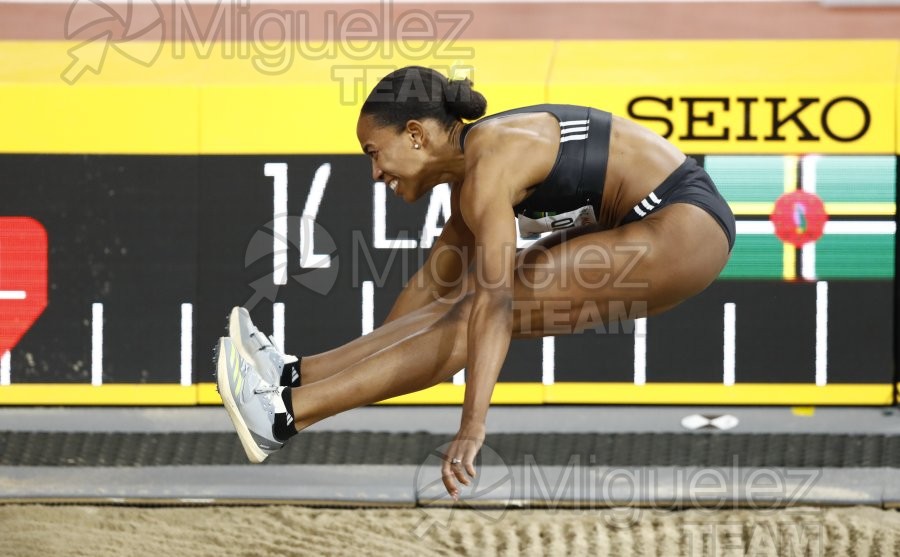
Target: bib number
<point>531,228</point>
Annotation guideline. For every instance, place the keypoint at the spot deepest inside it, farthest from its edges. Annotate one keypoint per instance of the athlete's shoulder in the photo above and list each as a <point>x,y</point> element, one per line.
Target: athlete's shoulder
<point>523,151</point>
<point>486,127</point>
<point>562,113</point>
<point>552,108</point>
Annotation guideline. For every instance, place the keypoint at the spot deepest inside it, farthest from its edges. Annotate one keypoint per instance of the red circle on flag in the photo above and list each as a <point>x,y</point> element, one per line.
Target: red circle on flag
<point>799,218</point>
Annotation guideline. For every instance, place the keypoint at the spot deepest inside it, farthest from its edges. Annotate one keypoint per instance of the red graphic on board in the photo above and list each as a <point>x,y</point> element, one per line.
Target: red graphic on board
<point>799,218</point>
<point>23,277</point>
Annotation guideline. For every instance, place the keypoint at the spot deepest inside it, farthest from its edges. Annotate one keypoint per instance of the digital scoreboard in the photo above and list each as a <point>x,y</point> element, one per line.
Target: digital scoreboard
<point>145,254</point>
<point>140,204</point>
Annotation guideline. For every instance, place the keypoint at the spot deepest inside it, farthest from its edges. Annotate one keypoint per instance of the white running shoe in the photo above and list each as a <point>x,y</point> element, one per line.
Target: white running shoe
<point>252,404</point>
<point>275,367</point>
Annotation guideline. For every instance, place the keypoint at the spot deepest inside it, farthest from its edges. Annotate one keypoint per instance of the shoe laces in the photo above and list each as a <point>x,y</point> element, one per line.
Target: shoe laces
<point>259,337</point>
<point>267,401</point>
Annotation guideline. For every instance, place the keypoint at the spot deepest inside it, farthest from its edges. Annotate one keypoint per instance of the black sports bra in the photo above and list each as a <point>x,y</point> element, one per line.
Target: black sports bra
<point>577,177</point>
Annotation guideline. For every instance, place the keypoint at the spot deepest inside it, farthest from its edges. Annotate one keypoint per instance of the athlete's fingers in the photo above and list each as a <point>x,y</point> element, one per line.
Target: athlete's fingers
<point>449,480</point>
<point>459,471</point>
<point>470,466</point>
<point>466,468</point>
<point>450,469</point>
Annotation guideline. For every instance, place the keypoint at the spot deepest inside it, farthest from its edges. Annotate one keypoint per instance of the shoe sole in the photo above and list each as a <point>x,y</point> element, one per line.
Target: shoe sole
<point>223,382</point>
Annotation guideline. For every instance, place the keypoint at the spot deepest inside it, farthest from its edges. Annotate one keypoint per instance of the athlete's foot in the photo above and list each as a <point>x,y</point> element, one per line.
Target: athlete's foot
<point>275,367</point>
<point>255,406</point>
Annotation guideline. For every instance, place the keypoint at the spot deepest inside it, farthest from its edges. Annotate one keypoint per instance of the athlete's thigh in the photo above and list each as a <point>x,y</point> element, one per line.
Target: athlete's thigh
<point>588,278</point>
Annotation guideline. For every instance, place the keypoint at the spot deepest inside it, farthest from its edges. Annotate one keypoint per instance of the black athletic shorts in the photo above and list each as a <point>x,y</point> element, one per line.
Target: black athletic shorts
<point>688,184</point>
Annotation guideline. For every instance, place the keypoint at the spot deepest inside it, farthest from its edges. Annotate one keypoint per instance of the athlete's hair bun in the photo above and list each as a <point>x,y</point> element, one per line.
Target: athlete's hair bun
<point>462,101</point>
<point>416,93</point>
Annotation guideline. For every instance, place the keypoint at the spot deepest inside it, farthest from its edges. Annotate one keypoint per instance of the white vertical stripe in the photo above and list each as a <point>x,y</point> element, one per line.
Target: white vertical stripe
<point>97,344</point>
<point>368,306</point>
<point>808,261</point>
<point>640,351</point>
<point>309,259</point>
<point>548,369</point>
<point>278,325</point>
<point>821,333</point>
<point>459,378</point>
<point>808,173</point>
<point>278,171</point>
<point>187,344</point>
<point>729,344</point>
<point>808,166</point>
<point>4,368</point>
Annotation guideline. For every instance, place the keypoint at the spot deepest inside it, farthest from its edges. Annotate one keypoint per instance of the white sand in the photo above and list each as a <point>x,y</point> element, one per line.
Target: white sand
<point>99,531</point>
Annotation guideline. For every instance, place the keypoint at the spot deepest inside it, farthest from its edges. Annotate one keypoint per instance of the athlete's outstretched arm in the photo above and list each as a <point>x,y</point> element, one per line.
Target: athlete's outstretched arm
<point>444,270</point>
<point>485,207</point>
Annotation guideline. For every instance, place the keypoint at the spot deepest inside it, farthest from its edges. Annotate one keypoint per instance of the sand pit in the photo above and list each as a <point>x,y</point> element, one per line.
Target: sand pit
<point>99,531</point>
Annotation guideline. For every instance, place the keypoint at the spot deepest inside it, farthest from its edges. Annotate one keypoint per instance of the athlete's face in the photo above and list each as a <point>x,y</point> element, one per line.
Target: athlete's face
<point>396,159</point>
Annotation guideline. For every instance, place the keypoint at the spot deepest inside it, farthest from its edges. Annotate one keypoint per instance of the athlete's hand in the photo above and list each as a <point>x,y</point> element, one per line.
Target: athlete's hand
<point>464,447</point>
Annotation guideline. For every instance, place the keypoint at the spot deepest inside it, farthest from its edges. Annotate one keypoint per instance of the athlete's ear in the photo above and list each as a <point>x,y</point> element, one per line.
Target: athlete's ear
<point>416,133</point>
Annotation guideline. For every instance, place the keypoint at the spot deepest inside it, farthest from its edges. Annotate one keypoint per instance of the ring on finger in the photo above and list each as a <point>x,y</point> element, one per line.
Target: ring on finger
<point>455,461</point>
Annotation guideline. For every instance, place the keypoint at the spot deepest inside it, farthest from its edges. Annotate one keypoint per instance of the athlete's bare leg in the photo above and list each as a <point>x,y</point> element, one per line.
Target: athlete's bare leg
<point>645,267</point>
<point>319,366</point>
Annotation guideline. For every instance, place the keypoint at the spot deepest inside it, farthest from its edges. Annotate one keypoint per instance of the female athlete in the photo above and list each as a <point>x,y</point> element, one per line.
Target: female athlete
<point>635,224</point>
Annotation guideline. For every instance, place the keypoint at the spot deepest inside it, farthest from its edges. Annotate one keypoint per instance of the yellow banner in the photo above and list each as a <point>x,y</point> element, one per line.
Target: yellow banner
<point>708,97</point>
<point>741,97</point>
<point>504,393</point>
<point>228,100</point>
